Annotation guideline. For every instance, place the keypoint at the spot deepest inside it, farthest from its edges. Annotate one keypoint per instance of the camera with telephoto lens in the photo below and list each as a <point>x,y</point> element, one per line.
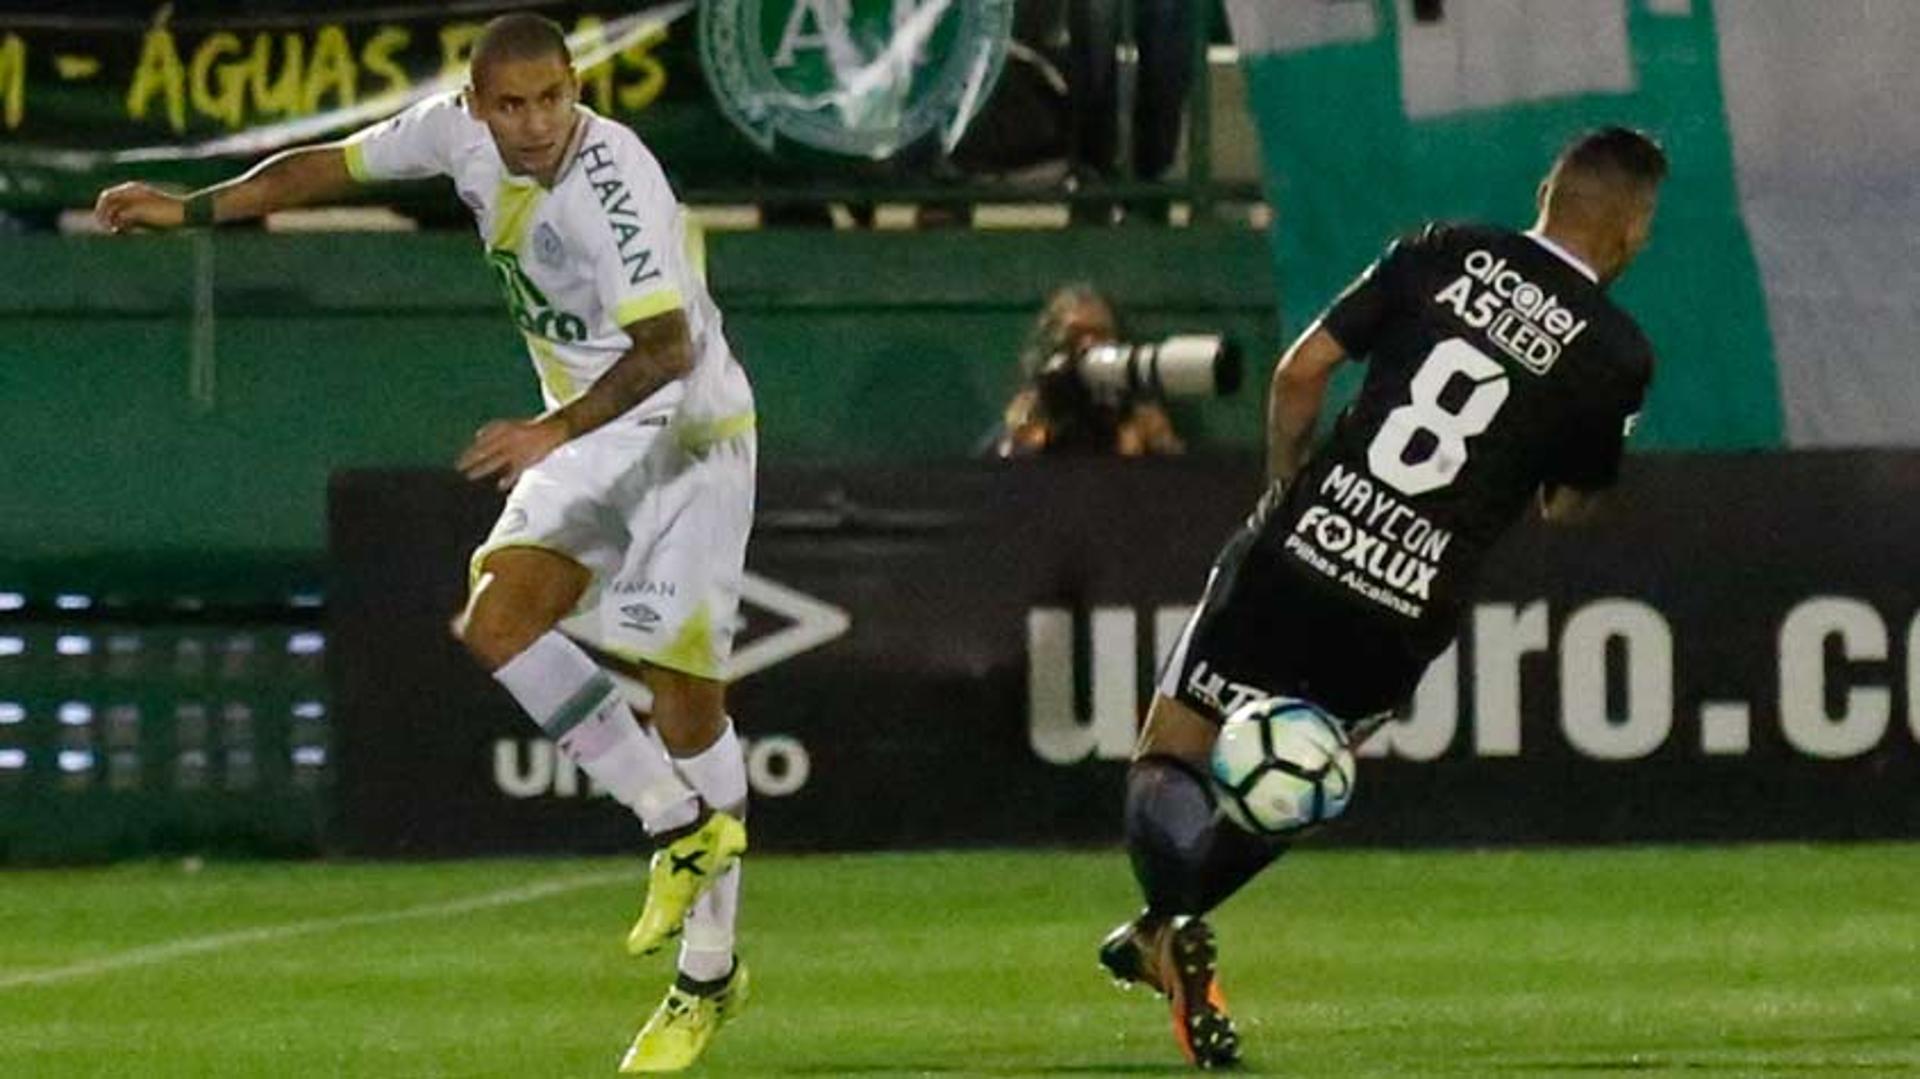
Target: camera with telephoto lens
<point>1185,365</point>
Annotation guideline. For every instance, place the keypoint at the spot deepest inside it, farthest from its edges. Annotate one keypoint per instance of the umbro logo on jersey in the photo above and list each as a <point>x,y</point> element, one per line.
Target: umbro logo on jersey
<point>640,617</point>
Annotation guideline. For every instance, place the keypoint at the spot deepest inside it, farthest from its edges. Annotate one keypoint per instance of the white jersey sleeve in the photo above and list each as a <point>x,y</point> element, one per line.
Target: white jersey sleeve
<point>640,262</point>
<point>413,145</point>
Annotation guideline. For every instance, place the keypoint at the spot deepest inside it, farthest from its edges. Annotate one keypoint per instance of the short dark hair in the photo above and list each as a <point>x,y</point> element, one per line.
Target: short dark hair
<point>1623,156</point>
<point>518,36</point>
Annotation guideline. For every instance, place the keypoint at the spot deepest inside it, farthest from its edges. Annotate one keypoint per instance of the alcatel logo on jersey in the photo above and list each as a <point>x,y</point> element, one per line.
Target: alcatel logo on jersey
<point>1526,321</point>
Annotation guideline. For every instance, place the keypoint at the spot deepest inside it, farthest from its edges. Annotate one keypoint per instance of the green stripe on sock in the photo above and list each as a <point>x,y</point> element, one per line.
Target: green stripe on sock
<point>579,706</point>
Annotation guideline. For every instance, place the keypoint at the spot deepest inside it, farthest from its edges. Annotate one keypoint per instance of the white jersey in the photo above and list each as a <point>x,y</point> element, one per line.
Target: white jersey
<point>606,246</point>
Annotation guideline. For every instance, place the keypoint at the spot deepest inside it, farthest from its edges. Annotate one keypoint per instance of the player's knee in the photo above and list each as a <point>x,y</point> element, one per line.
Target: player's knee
<point>497,628</point>
<point>493,640</point>
<point>1168,806</point>
<point>1175,730</point>
<point>521,594</point>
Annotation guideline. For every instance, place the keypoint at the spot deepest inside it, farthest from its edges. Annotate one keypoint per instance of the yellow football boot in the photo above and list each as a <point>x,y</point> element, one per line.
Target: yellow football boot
<point>680,1028</point>
<point>679,874</point>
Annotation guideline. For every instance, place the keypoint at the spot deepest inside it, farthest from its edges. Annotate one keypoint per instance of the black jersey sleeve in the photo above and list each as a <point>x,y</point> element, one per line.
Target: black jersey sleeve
<point>1356,316</point>
<point>1590,453</point>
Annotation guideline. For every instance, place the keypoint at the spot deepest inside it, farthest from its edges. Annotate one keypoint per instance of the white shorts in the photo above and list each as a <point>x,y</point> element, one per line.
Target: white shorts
<point>661,528</point>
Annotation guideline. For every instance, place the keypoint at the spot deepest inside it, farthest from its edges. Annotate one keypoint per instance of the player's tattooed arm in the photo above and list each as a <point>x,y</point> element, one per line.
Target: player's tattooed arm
<point>662,351</point>
<point>1294,398</point>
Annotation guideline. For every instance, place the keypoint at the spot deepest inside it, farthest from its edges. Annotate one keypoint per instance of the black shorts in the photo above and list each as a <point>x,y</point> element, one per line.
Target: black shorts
<point>1263,630</point>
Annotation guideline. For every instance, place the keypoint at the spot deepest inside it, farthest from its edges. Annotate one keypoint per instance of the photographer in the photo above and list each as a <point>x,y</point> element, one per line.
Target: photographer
<point>1058,410</point>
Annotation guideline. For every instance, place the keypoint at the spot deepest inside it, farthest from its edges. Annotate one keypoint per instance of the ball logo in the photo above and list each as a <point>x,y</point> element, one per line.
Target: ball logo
<point>860,78</point>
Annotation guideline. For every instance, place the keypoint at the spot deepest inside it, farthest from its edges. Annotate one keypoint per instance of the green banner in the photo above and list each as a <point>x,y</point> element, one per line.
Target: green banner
<point>1373,119</point>
<point>747,93</point>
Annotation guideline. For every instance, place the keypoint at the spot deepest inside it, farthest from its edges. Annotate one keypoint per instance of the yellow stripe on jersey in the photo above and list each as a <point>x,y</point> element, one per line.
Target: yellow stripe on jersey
<point>554,376</point>
<point>514,203</point>
<point>696,245</point>
<point>694,436</point>
<point>356,154</point>
<point>657,302</point>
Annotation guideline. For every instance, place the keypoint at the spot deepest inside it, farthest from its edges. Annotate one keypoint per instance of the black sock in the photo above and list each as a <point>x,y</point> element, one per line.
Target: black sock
<point>1235,857</point>
<point>1170,825</point>
<point>709,987</point>
<point>1185,859</point>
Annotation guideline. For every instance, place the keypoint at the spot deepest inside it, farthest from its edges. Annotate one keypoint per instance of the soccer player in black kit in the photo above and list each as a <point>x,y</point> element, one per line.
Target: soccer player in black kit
<point>1499,375</point>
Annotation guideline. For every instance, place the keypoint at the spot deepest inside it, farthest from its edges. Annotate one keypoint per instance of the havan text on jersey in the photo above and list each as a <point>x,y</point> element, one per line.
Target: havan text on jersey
<point>623,216</point>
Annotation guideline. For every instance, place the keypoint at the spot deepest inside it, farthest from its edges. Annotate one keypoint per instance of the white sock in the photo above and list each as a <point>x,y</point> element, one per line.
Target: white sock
<point>706,949</point>
<point>579,708</point>
<point>719,774</point>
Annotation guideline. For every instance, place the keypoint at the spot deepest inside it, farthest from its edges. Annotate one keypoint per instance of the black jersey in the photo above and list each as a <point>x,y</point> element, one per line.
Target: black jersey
<point>1494,365</point>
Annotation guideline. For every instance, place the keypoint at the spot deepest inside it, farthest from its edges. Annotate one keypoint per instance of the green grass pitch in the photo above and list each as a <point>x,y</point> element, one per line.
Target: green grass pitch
<point>1765,960</point>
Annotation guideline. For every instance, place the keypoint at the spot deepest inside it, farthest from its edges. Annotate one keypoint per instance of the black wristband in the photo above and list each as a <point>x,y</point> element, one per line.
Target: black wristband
<point>199,210</point>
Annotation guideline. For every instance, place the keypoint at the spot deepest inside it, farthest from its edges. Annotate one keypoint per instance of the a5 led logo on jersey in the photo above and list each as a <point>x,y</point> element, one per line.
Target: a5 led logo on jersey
<point>1526,321</point>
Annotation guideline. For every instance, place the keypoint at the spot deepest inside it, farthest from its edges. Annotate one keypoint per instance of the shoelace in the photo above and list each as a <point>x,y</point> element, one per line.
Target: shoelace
<point>680,1008</point>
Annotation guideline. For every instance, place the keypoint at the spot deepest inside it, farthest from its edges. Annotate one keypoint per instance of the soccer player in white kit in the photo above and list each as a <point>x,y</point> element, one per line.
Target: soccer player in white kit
<point>609,586</point>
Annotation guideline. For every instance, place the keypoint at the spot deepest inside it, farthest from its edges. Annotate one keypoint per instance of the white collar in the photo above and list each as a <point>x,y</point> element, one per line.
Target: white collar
<point>574,139</point>
<point>1566,256</point>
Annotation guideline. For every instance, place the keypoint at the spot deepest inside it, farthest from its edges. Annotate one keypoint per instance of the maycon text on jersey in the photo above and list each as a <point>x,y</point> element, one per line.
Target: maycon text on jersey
<point>1359,534</point>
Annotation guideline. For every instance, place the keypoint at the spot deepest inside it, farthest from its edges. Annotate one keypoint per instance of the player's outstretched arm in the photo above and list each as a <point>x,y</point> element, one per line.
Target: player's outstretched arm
<point>1294,398</point>
<point>297,177</point>
<point>662,351</point>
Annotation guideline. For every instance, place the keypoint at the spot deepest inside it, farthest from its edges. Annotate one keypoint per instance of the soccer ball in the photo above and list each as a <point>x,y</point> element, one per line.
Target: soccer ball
<point>1281,765</point>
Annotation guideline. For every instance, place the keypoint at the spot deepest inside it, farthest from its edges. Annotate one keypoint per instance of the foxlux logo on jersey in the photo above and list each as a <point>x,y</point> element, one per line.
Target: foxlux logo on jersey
<point>1359,534</point>
<point>1526,321</point>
